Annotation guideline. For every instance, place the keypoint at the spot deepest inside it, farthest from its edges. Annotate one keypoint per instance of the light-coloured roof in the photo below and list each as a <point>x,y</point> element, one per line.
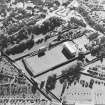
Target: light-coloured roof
<point>70,46</point>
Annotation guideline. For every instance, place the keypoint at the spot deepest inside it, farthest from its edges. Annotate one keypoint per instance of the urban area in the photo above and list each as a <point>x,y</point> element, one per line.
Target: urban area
<point>52,52</point>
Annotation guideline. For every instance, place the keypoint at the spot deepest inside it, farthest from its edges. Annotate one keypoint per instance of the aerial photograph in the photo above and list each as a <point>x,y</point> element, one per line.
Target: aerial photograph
<point>52,52</point>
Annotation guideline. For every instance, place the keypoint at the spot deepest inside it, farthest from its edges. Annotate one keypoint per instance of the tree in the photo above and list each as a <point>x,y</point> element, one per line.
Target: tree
<point>34,87</point>
<point>81,56</point>
<point>57,3</point>
<point>71,70</point>
<point>64,88</point>
<point>51,82</point>
<point>78,22</point>
<point>3,41</point>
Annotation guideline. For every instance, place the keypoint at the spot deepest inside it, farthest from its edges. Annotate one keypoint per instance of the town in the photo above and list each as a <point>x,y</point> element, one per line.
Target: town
<point>52,52</point>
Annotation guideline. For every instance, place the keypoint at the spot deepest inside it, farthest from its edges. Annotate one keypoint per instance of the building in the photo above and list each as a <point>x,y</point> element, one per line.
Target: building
<point>69,50</point>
